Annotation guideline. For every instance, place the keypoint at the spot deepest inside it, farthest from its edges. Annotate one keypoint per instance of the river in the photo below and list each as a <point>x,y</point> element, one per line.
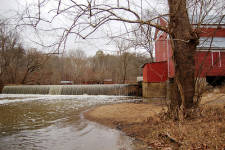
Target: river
<point>55,122</point>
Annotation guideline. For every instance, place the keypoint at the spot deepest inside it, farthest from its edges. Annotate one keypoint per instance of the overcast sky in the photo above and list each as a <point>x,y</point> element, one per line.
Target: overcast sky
<point>98,41</point>
<point>8,8</point>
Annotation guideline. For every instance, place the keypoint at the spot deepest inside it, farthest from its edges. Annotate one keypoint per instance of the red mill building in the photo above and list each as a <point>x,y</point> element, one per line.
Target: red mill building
<point>209,57</point>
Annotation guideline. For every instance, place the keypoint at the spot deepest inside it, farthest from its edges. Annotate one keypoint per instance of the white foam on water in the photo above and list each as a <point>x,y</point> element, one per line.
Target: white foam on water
<point>86,99</point>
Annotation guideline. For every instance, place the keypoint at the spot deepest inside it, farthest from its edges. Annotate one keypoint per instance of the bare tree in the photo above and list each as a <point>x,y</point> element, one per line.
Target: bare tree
<point>143,35</point>
<point>51,71</point>
<point>87,17</point>
<point>78,64</point>
<point>33,63</point>
<point>99,66</point>
<point>123,48</point>
<point>11,53</point>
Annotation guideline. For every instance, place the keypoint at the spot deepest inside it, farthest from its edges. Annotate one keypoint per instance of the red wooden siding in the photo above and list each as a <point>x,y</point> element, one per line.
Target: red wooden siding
<point>212,32</point>
<point>164,53</point>
<point>155,72</point>
<point>210,63</point>
<point>203,62</point>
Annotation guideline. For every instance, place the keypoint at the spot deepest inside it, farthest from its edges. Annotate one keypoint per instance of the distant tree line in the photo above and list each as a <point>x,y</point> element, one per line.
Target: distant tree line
<point>79,68</point>
<point>19,65</point>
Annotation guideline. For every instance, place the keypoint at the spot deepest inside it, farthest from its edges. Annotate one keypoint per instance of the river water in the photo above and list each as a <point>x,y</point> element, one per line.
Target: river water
<point>55,122</point>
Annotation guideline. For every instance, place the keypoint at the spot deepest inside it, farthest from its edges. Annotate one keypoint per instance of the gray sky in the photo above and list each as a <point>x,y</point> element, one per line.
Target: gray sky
<point>98,41</point>
<point>9,7</point>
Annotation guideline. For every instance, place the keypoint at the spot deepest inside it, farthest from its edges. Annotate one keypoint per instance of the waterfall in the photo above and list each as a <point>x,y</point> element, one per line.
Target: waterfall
<point>26,89</point>
<point>98,89</point>
<point>55,90</point>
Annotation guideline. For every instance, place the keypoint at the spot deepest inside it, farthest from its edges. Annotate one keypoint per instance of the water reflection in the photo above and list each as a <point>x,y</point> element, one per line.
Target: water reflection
<point>56,124</point>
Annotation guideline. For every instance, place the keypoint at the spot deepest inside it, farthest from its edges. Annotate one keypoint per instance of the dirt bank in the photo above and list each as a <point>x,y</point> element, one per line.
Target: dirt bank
<point>125,113</point>
<point>143,122</point>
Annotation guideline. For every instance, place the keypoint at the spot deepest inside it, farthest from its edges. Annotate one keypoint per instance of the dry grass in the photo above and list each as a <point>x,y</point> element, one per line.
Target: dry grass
<point>143,122</point>
<point>206,131</point>
<point>214,96</point>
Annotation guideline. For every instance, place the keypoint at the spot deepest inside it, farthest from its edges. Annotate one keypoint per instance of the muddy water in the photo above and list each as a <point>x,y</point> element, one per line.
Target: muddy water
<point>55,122</point>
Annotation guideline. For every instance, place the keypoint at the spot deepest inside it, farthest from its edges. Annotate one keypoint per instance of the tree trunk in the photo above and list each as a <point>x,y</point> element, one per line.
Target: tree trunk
<point>184,42</point>
<point>25,77</point>
<point>1,85</point>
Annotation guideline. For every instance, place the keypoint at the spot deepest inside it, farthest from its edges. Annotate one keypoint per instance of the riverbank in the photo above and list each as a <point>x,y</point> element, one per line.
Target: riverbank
<point>146,125</point>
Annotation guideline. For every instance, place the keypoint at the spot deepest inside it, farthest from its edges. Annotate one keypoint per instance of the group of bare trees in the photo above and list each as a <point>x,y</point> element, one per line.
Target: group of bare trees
<point>16,63</point>
<point>29,66</point>
<point>19,65</point>
<point>80,69</point>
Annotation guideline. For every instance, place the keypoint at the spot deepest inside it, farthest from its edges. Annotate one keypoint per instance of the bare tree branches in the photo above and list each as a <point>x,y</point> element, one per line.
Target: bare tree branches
<point>83,18</point>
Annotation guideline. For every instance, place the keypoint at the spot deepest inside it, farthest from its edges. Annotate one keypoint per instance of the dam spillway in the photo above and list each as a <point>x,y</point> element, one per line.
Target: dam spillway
<point>98,89</point>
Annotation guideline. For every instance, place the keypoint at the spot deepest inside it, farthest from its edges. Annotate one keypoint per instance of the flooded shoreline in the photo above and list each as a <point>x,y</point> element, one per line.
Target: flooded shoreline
<point>55,122</point>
